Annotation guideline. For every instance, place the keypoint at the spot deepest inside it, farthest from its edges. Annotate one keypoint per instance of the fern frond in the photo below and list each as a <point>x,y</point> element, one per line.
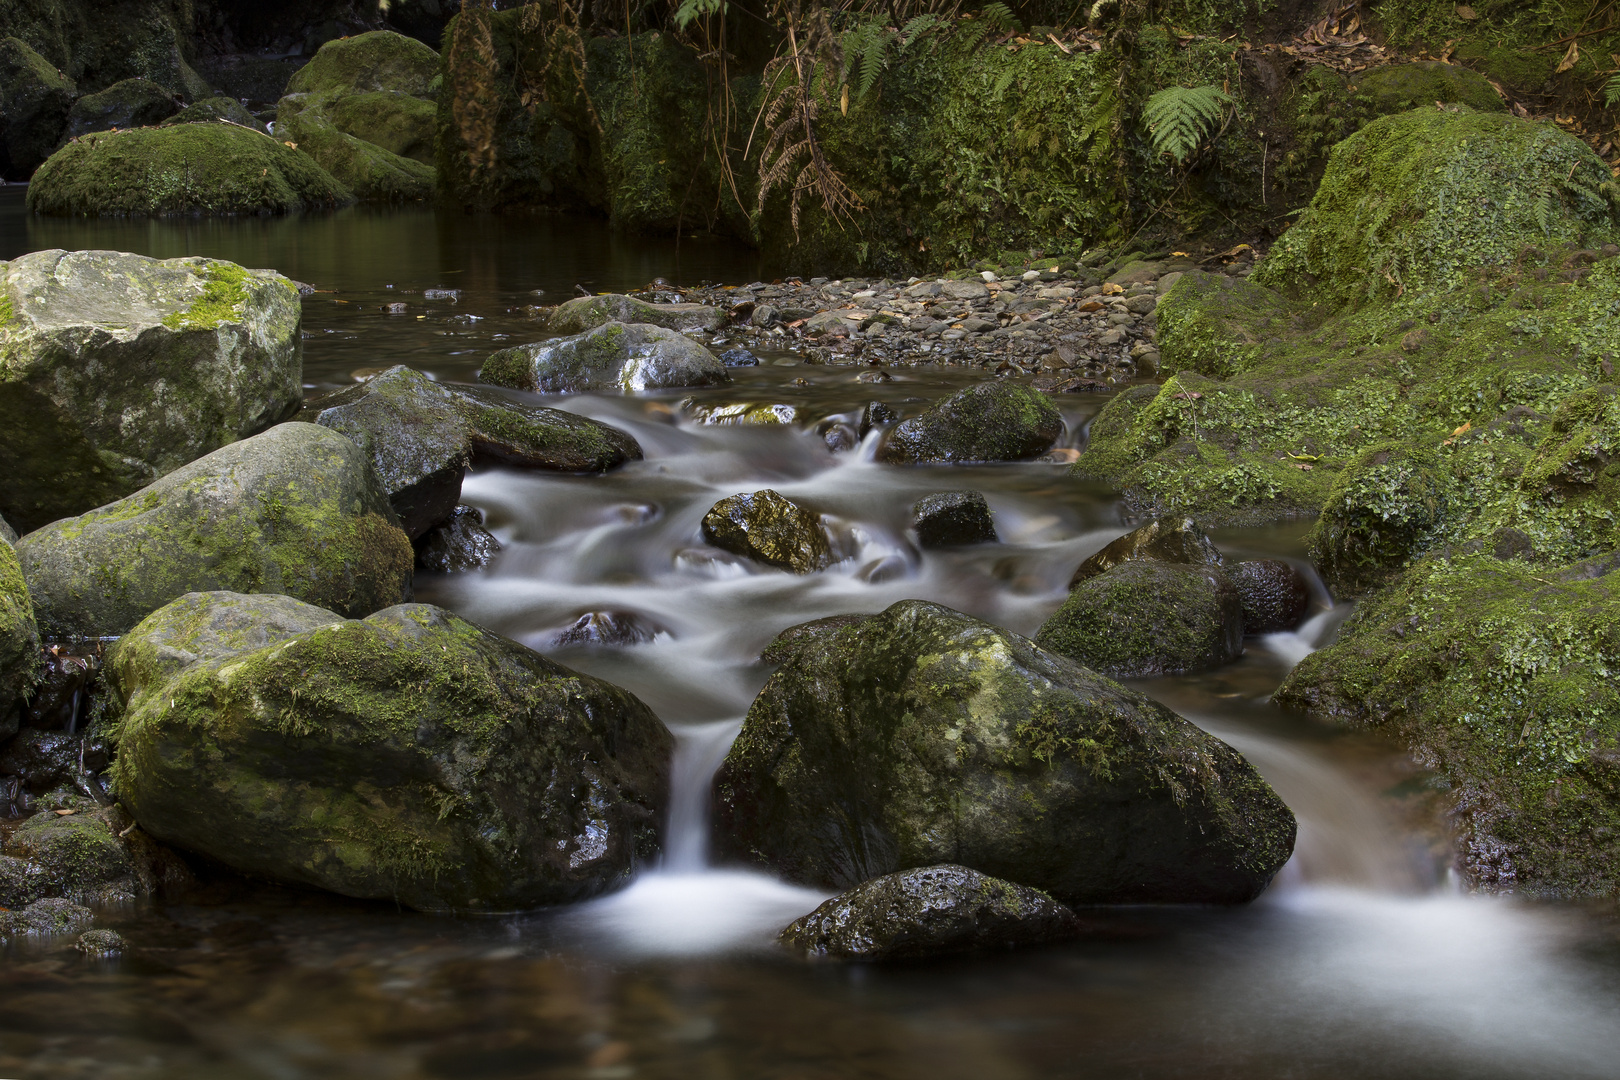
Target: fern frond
<point>916,28</point>
<point>866,54</point>
<point>1180,118</point>
<point>1002,82</point>
<point>1000,18</point>
<point>1611,90</point>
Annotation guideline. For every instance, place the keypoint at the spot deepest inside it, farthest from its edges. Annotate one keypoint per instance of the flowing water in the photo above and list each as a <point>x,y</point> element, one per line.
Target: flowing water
<point>1362,960</point>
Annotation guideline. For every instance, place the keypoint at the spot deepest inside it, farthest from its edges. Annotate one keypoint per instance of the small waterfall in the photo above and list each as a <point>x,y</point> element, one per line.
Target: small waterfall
<point>699,749</point>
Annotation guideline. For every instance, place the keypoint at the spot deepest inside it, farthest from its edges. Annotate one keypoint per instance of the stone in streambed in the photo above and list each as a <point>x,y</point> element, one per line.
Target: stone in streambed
<point>932,911</point>
<point>100,944</point>
<point>922,735</point>
<point>1146,618</point>
<point>615,357</point>
<point>588,312</point>
<point>953,518</point>
<point>536,437</point>
<point>457,545</point>
<point>768,528</point>
<point>874,415</point>
<point>77,857</point>
<point>989,422</point>
<point>1170,540</point>
<point>1275,595</point>
<point>411,756</point>
<point>121,368</point>
<point>417,441</point>
<point>54,916</point>
<point>297,510</point>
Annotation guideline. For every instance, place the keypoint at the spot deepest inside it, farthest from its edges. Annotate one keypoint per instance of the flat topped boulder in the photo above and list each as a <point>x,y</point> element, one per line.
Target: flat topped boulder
<point>411,756</point>
<point>614,357</point>
<point>119,368</point>
<point>186,169</point>
<point>993,421</point>
<point>922,735</point>
<point>1167,539</point>
<point>297,510</point>
<point>932,911</point>
<point>588,312</point>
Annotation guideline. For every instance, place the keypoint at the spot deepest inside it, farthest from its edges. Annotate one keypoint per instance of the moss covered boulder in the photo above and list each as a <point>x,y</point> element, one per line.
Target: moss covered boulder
<point>132,103</point>
<point>1171,540</point>
<point>297,510</point>
<point>588,312</point>
<point>214,110</point>
<point>363,108</point>
<point>769,528</point>
<point>503,428</point>
<point>78,857</point>
<point>34,101</point>
<point>933,911</point>
<point>1386,506</point>
<point>19,641</point>
<point>186,169</point>
<point>1145,618</point>
<point>410,757</point>
<point>1499,675</point>
<point>922,735</point>
<point>417,441</point>
<point>116,368</point>
<point>1400,87</point>
<point>993,421</point>
<point>622,357</point>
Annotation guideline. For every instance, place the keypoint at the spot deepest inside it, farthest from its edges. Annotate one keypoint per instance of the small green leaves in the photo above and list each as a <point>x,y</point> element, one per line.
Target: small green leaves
<point>1180,118</point>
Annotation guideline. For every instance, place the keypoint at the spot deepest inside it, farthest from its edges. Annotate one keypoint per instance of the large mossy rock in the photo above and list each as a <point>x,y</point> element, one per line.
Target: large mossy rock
<point>363,108</point>
<point>588,312</point>
<point>1169,540</point>
<point>297,510</point>
<point>19,641</point>
<point>993,421</point>
<point>1387,506</point>
<point>411,756</point>
<point>614,357</point>
<point>521,433</point>
<point>213,110</point>
<point>1399,87</point>
<point>78,857</point>
<point>922,735</point>
<point>132,103</point>
<point>34,101</point>
<point>1499,675</point>
<point>185,169</point>
<point>934,911</point>
<point>767,527</point>
<point>116,369</point>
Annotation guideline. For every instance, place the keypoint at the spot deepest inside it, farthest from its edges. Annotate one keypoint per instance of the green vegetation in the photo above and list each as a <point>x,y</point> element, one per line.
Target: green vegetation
<point>223,297</point>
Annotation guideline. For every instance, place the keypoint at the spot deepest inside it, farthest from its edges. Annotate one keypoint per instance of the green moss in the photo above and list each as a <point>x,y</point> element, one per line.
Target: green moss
<point>1400,87</point>
<point>379,60</point>
<point>223,297</point>
<point>8,314</point>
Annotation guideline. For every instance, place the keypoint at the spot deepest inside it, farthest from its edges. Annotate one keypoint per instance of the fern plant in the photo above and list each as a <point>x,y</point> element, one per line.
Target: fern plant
<point>1180,118</point>
<point>1611,91</point>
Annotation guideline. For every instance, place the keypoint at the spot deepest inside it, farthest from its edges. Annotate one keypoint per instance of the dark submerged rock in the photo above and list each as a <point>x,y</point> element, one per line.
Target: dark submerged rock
<point>1171,540</point>
<point>34,102</point>
<point>768,528</point>
<point>100,944</point>
<point>932,911</point>
<point>953,518</point>
<point>876,414</point>
<point>411,756</point>
<point>739,358</point>
<point>1275,595</point>
<point>54,916</point>
<point>922,735</point>
<point>1145,618</point>
<point>457,545</point>
<point>621,357</point>
<point>993,421</point>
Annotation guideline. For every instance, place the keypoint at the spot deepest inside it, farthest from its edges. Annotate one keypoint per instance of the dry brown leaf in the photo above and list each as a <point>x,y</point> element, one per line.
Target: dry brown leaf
<point>1466,13</point>
<point>1572,56</point>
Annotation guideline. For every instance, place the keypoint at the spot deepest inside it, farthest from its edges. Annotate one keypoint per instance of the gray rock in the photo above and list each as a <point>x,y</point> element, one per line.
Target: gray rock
<point>932,911</point>
<point>1275,595</point>
<point>588,312</point>
<point>7,533</point>
<point>768,528</point>
<point>53,916</point>
<point>1168,539</point>
<point>418,442</point>
<point>965,290</point>
<point>952,518</point>
<point>922,735</point>
<point>122,368</point>
<point>131,103</point>
<point>623,357</point>
<point>297,510</point>
<point>34,103</point>
<point>535,437</point>
<point>101,943</point>
<point>763,315</point>
<point>457,545</point>
<point>739,358</point>
<point>993,421</point>
<point>411,756</point>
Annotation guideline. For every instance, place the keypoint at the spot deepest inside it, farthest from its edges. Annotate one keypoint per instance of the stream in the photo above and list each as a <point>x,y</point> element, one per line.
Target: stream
<point>1363,959</point>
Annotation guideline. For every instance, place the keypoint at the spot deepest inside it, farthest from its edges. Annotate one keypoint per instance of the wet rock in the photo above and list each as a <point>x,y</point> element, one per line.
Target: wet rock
<point>741,413</point>
<point>229,170</point>
<point>933,911</point>
<point>739,358</point>
<point>44,760</point>
<point>768,528</point>
<point>411,756</point>
<point>1385,507</point>
<point>588,312</point>
<point>75,857</point>
<point>624,357</point>
<point>457,545</point>
<point>994,421</point>
<point>19,641</point>
<point>1171,540</point>
<point>1144,618</point>
<point>70,676</point>
<point>876,414</point>
<point>132,103</point>
<point>296,510</point>
<point>922,735</point>
<point>101,944</point>
<point>34,102</point>
<point>206,353</point>
<point>54,916</point>
<point>535,437</point>
<point>607,628</point>
<point>953,518</point>
<point>418,442</point>
<point>1275,595</point>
